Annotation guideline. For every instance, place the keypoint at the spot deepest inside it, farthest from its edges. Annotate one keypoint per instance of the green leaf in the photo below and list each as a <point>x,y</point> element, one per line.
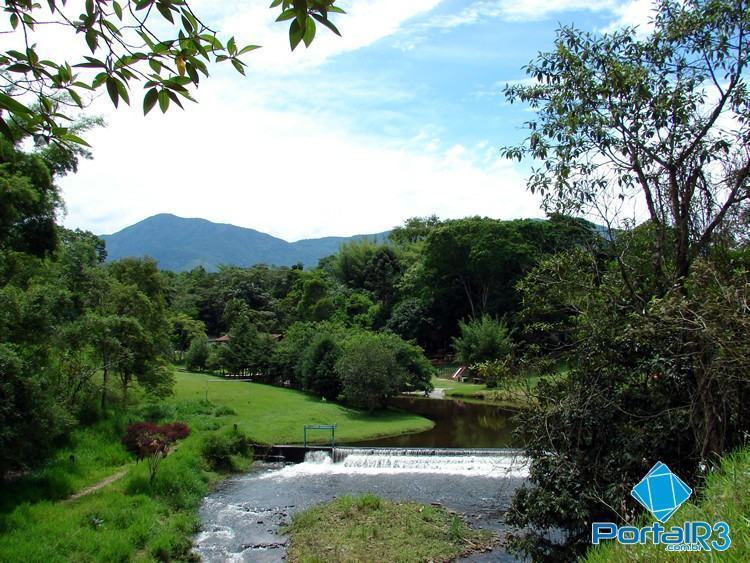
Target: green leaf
<point>175,99</point>
<point>122,91</point>
<point>286,15</point>
<point>114,95</point>
<point>92,40</point>
<point>327,23</point>
<point>14,21</point>
<point>295,34</point>
<point>118,9</point>
<point>156,65</point>
<point>309,32</point>
<point>248,48</point>
<point>6,102</point>
<point>76,97</point>
<point>300,11</point>
<point>164,101</point>
<point>239,66</point>
<point>275,3</point>
<point>74,139</point>
<point>165,11</point>
<point>149,100</point>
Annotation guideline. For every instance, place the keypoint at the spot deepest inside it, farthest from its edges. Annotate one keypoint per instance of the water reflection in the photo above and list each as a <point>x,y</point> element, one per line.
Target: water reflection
<point>458,424</point>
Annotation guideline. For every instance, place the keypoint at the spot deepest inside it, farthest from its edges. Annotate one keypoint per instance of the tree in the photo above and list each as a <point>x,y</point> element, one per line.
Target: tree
<point>418,371</point>
<point>318,367</point>
<point>482,340</point>
<point>664,119</point>
<point>137,300</point>
<point>369,371</point>
<point>661,121</point>
<point>316,302</point>
<point>196,358</point>
<point>126,47</point>
<point>29,202</point>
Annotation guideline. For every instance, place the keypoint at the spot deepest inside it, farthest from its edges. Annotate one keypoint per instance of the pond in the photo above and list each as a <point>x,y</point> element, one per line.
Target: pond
<point>458,424</point>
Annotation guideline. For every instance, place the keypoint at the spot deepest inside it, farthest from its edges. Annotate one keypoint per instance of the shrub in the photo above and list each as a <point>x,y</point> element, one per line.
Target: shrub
<point>482,340</point>
<point>152,441</point>
<point>155,412</point>
<point>494,373</point>
<point>223,410</point>
<point>221,450</point>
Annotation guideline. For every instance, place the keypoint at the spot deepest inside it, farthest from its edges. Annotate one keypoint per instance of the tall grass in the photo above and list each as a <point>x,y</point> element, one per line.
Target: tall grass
<point>726,496</point>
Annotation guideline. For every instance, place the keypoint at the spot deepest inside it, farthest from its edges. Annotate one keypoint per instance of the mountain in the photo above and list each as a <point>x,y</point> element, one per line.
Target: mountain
<point>180,244</point>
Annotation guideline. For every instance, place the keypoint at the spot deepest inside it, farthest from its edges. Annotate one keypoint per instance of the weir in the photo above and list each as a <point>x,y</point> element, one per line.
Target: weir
<point>498,463</point>
<point>243,519</point>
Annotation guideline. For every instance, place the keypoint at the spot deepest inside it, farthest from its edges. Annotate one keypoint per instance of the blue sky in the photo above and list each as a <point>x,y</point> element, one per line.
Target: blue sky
<point>403,116</point>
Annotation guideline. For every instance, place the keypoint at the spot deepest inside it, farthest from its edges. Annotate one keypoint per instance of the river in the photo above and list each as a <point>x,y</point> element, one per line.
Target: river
<point>241,520</point>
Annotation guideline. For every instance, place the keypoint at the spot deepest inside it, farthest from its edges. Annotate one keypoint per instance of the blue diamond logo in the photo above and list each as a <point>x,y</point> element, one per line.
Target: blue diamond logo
<point>661,492</point>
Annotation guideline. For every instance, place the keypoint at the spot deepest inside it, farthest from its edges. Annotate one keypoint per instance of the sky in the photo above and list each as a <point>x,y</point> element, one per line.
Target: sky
<point>403,116</point>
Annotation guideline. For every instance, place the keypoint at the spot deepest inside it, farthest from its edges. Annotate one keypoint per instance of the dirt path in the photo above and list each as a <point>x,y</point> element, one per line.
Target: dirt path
<point>95,487</point>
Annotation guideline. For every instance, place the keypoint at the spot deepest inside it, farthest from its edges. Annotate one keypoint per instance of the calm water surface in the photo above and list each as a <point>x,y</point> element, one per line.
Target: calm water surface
<point>458,424</point>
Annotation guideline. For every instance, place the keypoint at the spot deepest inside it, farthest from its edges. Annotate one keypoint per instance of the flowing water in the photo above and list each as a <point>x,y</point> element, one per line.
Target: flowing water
<point>242,519</point>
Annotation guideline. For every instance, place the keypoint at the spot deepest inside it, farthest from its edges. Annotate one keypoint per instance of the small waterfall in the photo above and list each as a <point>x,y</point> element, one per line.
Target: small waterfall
<point>495,463</point>
<point>492,463</point>
<point>318,457</point>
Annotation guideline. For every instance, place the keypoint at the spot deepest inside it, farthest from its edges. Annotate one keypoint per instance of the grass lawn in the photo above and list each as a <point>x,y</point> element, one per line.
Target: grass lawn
<point>133,520</point>
<point>275,415</point>
<point>726,497</point>
<point>367,528</point>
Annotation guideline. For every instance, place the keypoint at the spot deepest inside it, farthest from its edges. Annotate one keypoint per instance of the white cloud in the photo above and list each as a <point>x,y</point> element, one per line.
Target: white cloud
<point>365,22</point>
<point>635,13</point>
<point>630,12</point>
<point>286,173</point>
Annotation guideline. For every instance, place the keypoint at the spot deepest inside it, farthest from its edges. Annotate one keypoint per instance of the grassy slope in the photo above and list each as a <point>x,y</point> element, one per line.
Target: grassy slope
<point>367,528</point>
<point>726,497</point>
<point>130,520</point>
<point>274,415</point>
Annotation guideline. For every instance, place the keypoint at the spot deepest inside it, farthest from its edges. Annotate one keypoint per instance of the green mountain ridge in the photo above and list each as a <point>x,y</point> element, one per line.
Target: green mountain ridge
<point>181,244</point>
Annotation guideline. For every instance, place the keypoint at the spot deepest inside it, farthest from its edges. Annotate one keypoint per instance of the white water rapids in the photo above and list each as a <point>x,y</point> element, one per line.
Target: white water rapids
<point>497,464</point>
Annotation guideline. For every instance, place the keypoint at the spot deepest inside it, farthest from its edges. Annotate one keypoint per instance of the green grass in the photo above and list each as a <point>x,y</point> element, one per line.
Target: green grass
<point>368,528</point>
<point>275,415</point>
<point>134,520</point>
<point>726,497</point>
<point>514,396</point>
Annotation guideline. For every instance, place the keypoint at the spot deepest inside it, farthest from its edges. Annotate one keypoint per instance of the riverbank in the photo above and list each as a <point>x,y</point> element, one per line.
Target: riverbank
<point>129,520</point>
<point>514,396</point>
